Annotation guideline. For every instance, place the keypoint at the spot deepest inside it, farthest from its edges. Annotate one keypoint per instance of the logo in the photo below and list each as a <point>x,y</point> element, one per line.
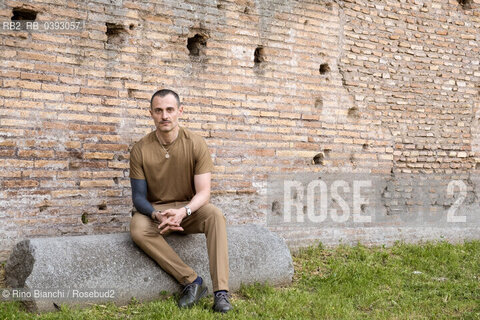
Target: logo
<point>5,293</point>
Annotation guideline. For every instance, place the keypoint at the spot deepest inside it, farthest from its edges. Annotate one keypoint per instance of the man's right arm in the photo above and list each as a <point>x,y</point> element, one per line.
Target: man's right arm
<point>139,197</point>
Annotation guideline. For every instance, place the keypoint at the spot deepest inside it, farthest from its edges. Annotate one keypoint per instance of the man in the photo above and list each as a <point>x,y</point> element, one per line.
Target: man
<point>170,172</point>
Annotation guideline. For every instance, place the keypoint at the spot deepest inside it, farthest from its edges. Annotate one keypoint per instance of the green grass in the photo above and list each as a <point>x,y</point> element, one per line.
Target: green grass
<point>428,281</point>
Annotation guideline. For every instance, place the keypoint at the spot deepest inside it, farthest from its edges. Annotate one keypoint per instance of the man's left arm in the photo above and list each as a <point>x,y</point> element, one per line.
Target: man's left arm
<point>202,184</point>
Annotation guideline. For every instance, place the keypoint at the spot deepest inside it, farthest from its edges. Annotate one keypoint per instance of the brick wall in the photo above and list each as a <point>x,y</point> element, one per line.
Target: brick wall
<point>386,87</point>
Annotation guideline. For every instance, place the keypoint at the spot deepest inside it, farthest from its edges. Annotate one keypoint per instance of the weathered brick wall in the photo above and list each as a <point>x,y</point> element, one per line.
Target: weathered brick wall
<point>389,87</point>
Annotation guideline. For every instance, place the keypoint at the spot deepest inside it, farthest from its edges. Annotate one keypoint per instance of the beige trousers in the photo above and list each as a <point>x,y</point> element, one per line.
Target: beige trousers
<point>208,220</point>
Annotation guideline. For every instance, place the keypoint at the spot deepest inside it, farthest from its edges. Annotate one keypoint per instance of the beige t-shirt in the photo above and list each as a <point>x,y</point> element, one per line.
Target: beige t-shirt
<point>170,180</point>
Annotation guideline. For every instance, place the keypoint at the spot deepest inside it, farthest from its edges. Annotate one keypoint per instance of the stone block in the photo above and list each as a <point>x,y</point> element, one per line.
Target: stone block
<point>112,263</point>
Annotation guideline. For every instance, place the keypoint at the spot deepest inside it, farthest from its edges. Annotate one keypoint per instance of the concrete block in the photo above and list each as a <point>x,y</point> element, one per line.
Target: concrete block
<point>100,265</point>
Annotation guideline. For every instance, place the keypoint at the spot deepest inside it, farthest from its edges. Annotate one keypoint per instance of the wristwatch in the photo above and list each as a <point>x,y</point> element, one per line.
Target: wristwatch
<point>189,211</point>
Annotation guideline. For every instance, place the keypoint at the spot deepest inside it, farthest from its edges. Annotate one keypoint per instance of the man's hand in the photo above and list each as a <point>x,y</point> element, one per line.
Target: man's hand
<point>170,220</point>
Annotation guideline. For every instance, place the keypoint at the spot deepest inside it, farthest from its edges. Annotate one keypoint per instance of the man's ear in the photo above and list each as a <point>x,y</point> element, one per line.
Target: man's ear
<point>180,110</point>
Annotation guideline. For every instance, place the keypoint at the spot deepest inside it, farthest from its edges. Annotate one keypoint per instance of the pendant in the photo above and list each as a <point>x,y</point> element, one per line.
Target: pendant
<point>167,156</point>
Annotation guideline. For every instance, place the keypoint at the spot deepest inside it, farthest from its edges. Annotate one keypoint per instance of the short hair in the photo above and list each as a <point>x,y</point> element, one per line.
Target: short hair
<point>163,93</point>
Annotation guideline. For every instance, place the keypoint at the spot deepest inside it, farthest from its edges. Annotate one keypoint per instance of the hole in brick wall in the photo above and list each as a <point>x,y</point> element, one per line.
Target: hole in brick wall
<point>131,93</point>
<point>196,45</point>
<point>305,22</point>
<point>115,180</point>
<point>365,146</point>
<point>318,159</point>
<point>75,154</point>
<point>318,103</point>
<point>352,161</point>
<point>276,208</point>
<point>84,218</point>
<point>324,68</point>
<point>219,6</point>
<point>115,33</point>
<point>363,207</point>
<point>477,166</point>
<point>102,206</point>
<point>353,112</point>
<point>131,26</point>
<point>327,152</point>
<point>466,4</point>
<point>23,14</point>
<point>44,207</point>
<point>259,56</point>
<point>246,10</point>
<point>295,194</point>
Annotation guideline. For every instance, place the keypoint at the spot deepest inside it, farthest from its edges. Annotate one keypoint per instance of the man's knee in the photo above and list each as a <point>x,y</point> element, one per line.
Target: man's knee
<point>215,213</point>
<point>138,227</point>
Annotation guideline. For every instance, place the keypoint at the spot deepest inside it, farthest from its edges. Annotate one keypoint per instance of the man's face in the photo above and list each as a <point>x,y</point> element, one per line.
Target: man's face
<point>165,112</point>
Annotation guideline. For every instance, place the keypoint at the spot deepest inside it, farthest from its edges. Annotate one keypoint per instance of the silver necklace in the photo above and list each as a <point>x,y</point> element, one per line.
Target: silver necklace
<point>166,150</point>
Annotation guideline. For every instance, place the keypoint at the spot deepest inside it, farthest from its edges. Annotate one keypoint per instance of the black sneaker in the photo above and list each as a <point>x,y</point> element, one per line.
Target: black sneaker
<point>221,303</point>
<point>191,294</point>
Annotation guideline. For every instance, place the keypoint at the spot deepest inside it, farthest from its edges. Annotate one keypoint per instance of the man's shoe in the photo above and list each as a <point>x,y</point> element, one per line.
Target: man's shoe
<point>191,294</point>
<point>221,303</point>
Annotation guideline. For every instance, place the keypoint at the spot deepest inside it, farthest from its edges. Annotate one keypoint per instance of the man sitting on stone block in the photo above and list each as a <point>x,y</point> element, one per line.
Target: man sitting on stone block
<point>170,172</point>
